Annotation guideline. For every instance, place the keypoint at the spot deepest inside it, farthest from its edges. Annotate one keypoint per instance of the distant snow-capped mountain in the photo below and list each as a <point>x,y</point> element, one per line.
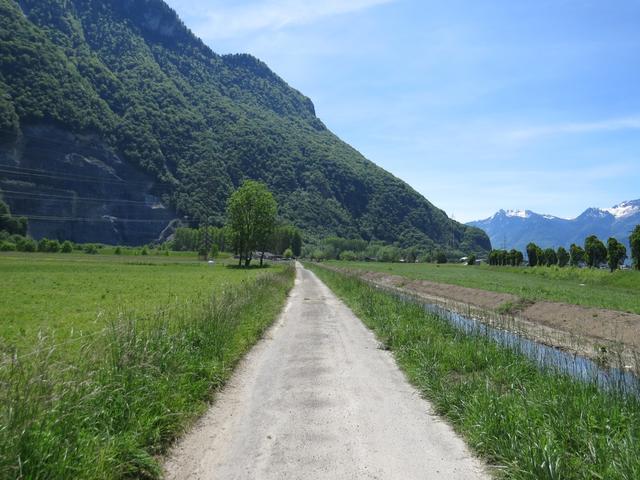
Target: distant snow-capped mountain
<point>516,228</point>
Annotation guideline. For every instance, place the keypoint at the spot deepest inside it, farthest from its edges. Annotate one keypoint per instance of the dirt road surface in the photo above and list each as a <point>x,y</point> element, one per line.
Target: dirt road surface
<point>317,399</point>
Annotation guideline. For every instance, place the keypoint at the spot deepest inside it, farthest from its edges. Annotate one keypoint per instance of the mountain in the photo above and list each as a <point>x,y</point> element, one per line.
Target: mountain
<point>116,119</point>
<point>516,228</point>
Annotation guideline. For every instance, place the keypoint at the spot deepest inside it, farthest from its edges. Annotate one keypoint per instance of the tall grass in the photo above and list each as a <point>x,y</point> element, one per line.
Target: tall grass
<point>111,410</point>
<point>529,423</point>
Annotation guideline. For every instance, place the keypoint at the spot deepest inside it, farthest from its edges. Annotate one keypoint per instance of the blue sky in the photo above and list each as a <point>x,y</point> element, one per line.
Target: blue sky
<point>479,105</point>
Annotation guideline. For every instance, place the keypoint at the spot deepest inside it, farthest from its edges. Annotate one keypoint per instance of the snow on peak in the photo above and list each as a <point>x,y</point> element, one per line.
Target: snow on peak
<point>518,213</point>
<point>624,209</point>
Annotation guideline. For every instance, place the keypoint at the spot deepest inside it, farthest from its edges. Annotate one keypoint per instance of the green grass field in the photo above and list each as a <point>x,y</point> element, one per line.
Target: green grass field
<point>527,422</point>
<point>66,296</point>
<point>162,335</point>
<point>593,288</point>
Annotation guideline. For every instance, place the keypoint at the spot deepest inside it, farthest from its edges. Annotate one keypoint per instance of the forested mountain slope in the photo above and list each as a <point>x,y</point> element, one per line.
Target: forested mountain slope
<point>117,100</point>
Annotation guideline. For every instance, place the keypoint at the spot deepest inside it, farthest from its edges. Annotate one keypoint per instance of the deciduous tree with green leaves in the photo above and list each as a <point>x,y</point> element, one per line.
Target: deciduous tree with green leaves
<point>576,255</point>
<point>533,252</point>
<point>616,253</point>
<point>550,257</point>
<point>634,241</point>
<point>563,257</point>
<point>251,210</point>
<point>594,251</point>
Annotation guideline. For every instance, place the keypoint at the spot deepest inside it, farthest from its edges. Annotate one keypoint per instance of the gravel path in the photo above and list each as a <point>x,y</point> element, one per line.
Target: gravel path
<point>316,399</point>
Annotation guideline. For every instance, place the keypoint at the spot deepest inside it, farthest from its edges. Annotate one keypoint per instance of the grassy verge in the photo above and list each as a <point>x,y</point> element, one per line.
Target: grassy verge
<point>587,287</point>
<point>529,423</point>
<point>111,408</point>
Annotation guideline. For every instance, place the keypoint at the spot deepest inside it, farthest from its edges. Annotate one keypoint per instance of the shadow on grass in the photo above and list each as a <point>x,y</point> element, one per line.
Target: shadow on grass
<point>251,267</point>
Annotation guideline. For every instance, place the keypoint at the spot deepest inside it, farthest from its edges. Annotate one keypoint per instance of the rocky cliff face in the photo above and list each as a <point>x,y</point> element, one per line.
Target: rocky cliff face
<point>75,187</point>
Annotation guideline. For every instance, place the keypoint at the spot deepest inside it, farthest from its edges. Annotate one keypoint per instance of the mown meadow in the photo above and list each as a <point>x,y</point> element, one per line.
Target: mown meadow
<point>581,286</point>
<point>106,359</point>
<point>63,297</point>
<point>526,422</point>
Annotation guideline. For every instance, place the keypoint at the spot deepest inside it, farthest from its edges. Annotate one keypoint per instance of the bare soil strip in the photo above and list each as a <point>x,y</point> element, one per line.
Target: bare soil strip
<point>606,335</point>
<point>317,399</point>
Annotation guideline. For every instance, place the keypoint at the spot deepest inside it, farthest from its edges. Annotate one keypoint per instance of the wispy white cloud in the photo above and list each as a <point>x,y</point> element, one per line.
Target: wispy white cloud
<point>223,21</point>
<point>609,125</point>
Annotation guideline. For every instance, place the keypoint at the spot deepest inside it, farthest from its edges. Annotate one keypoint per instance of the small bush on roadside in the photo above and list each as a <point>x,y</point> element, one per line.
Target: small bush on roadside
<point>145,251</point>
<point>66,247</point>
<point>288,254</point>
<point>117,251</point>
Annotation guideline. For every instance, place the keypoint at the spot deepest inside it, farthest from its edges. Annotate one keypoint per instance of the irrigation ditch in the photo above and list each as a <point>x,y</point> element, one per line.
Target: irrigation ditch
<point>610,363</point>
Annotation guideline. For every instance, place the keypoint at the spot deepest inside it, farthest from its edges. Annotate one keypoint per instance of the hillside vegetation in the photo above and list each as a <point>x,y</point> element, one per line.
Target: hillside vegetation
<point>131,74</point>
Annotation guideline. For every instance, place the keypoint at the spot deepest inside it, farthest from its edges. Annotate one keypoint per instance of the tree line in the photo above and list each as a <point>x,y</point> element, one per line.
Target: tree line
<point>593,254</point>
<point>252,226</point>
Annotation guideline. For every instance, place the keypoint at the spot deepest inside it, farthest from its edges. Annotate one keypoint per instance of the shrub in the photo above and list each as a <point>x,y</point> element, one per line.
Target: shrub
<point>66,247</point>
<point>26,245</point>
<point>54,246</point>
<point>117,251</point>
<point>471,260</point>
<point>441,257</point>
<point>30,245</point>
<point>348,256</point>
<point>145,251</point>
<point>288,253</point>
<point>90,248</point>
<point>50,246</point>
<point>6,246</point>
<point>43,244</point>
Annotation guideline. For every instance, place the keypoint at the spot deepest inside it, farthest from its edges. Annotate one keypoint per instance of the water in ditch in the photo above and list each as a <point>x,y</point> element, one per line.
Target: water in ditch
<point>545,356</point>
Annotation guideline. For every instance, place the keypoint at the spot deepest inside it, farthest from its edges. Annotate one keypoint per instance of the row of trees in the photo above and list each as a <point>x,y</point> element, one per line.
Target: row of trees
<point>504,257</point>
<point>593,254</point>
<point>357,249</point>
